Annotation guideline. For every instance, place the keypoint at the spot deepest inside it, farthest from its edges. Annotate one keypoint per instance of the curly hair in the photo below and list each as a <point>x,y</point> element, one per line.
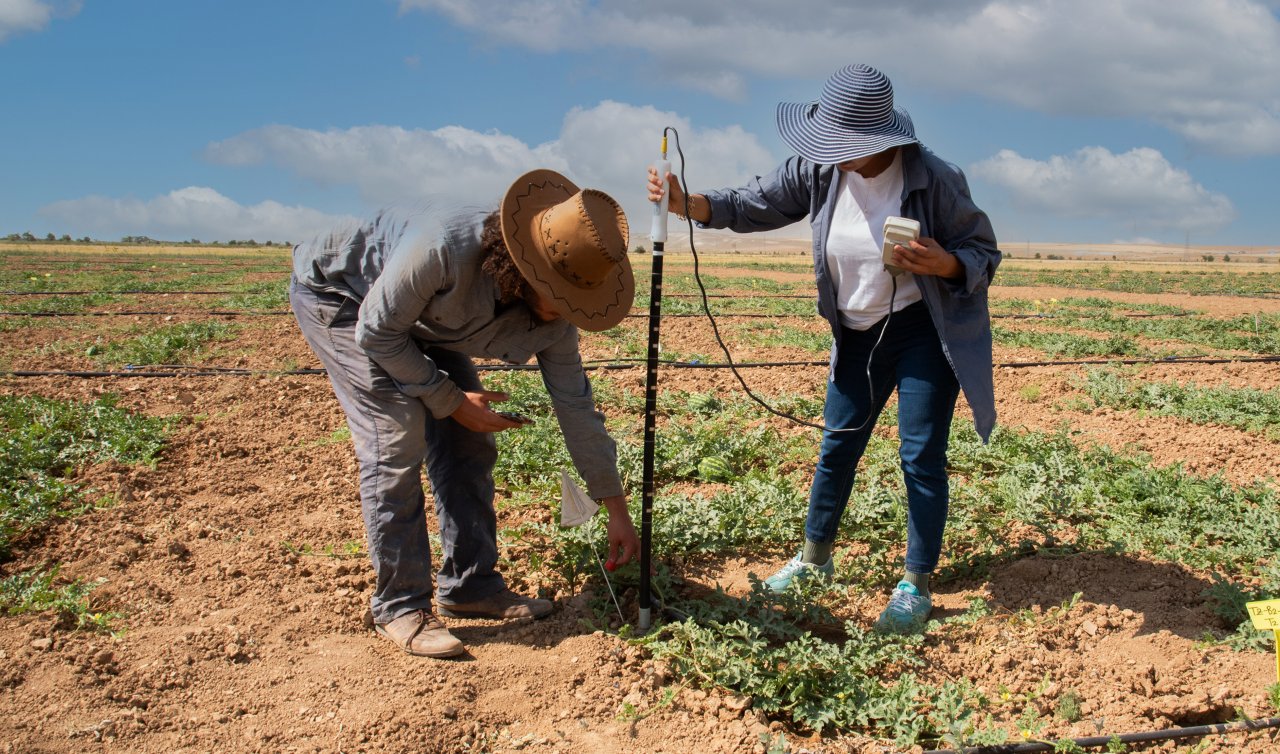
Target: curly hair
<point>498,263</point>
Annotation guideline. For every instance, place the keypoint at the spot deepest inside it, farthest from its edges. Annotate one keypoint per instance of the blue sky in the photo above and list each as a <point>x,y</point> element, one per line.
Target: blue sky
<point>1084,121</point>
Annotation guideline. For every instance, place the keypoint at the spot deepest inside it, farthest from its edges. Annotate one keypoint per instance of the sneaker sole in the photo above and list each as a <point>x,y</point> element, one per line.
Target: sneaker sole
<point>900,627</point>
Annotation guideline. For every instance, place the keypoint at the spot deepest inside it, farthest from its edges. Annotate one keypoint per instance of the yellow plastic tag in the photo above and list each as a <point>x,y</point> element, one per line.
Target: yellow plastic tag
<point>1266,617</point>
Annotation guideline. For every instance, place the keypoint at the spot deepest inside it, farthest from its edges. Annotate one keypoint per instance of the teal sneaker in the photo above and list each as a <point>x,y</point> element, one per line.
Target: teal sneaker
<point>907,612</point>
<point>797,570</point>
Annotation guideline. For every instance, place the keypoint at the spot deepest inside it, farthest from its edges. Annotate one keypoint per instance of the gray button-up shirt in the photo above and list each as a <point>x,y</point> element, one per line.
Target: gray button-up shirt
<point>420,284</point>
<point>935,193</point>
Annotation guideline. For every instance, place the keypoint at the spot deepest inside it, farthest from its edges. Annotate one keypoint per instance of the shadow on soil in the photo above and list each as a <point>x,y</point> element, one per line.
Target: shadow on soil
<point>1165,595</point>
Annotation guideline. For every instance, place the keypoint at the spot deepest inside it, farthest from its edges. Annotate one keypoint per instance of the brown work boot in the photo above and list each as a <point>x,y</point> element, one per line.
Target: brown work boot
<point>421,633</point>
<point>504,605</point>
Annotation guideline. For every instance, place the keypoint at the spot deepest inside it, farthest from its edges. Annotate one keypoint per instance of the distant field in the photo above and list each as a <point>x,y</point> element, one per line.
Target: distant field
<point>733,244</point>
<point>720,249</point>
<point>43,249</point>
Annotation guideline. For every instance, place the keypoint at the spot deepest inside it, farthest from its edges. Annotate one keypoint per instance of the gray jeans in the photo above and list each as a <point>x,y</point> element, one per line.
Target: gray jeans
<point>393,434</point>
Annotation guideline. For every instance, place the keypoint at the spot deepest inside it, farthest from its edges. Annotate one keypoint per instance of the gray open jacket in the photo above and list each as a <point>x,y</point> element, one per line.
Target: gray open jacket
<point>936,194</point>
<point>419,287</point>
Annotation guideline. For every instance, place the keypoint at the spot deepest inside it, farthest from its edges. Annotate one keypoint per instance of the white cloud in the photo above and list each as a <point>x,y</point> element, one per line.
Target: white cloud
<point>1205,69</point>
<point>192,212</point>
<point>1137,190</point>
<point>389,164</point>
<point>608,147</point>
<point>17,16</point>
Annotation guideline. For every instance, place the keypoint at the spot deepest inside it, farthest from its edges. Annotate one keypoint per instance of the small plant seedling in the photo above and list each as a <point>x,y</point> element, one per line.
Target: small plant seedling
<point>1068,706</point>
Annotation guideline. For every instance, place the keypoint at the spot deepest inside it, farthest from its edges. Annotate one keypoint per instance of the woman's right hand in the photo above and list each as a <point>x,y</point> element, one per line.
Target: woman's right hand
<point>655,189</point>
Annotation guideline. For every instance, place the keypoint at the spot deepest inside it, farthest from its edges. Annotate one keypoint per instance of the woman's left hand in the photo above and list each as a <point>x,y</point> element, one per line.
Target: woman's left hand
<point>926,257</point>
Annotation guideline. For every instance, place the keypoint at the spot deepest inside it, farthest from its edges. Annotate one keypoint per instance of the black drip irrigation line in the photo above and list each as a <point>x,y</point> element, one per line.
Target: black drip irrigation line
<point>750,315</point>
<point>745,315</point>
<point>156,373</point>
<point>282,313</point>
<point>1129,362</point>
<point>120,293</point>
<point>813,296</point>
<point>211,312</point>
<point>739,315</point>
<point>1197,731</point>
<point>1130,315</point>
<point>214,293</point>
<point>196,371</point>
<point>190,370</point>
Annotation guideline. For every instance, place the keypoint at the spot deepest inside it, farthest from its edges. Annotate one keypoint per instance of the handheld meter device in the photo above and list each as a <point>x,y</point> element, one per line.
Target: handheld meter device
<point>658,231</point>
<point>898,231</point>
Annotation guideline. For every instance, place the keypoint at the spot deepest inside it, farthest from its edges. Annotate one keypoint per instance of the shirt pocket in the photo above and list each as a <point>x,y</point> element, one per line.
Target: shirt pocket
<point>453,313</point>
<point>513,345</point>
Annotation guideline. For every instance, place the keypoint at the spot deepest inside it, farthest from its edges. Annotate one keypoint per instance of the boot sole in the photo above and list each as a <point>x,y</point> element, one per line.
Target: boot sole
<point>439,655</point>
<point>444,611</point>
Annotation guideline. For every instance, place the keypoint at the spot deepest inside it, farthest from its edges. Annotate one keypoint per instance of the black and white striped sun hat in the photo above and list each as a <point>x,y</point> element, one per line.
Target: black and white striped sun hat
<point>854,118</point>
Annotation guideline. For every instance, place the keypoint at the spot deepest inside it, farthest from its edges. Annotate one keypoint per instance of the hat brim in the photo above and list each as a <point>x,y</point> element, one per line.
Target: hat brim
<point>819,141</point>
<point>592,309</point>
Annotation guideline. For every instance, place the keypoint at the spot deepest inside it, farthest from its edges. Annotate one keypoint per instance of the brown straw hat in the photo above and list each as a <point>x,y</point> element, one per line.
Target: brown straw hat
<point>571,245</point>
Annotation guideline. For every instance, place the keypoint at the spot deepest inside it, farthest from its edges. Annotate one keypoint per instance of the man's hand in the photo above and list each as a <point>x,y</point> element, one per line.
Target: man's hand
<point>624,543</point>
<point>474,412</point>
<point>926,257</point>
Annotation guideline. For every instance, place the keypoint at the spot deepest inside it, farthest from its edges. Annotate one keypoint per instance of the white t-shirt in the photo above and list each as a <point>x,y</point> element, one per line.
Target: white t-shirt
<point>854,241</point>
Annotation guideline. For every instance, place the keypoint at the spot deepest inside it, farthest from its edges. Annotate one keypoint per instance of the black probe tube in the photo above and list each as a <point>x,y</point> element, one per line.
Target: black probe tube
<point>650,428</point>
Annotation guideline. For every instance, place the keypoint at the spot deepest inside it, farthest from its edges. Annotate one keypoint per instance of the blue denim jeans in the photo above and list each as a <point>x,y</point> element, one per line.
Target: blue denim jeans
<point>909,358</point>
<point>393,435</point>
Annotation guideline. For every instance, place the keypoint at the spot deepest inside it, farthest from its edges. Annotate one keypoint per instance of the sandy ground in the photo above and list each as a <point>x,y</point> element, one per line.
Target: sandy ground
<point>236,641</point>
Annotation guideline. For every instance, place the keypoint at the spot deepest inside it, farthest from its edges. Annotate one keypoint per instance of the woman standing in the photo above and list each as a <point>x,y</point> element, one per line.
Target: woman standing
<point>925,332</point>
